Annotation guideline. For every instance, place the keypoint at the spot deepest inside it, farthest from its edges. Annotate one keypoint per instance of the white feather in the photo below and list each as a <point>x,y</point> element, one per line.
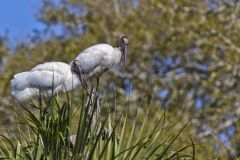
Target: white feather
<point>98,57</point>
<point>57,76</point>
<point>44,77</point>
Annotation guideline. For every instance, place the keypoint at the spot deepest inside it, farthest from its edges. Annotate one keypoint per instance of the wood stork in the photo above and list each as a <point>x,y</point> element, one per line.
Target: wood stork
<point>57,77</point>
<point>47,78</point>
<point>98,59</point>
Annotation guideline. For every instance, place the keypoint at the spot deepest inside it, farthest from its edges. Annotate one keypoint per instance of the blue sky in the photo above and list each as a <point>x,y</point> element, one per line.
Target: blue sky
<point>18,18</point>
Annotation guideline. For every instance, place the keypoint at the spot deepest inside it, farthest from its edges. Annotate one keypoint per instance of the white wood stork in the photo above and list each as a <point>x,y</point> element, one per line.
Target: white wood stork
<point>98,59</point>
<point>45,78</point>
<point>61,77</point>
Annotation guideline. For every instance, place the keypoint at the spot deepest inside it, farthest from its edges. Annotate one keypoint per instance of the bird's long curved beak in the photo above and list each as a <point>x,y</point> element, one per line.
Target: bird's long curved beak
<point>124,59</point>
<point>124,56</point>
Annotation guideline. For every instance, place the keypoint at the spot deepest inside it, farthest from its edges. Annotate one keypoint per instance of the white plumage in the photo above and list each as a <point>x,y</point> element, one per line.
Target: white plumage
<point>47,77</point>
<point>60,77</point>
<point>98,57</point>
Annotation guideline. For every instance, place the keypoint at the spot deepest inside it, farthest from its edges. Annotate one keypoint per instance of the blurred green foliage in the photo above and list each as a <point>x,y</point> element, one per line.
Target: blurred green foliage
<point>181,53</point>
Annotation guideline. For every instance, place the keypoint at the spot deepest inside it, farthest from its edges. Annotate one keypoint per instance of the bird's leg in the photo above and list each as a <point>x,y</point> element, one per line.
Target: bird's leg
<point>93,101</point>
<point>98,76</point>
<point>98,82</point>
<point>89,104</point>
<point>105,131</point>
<point>95,107</point>
<point>90,94</point>
<point>80,77</point>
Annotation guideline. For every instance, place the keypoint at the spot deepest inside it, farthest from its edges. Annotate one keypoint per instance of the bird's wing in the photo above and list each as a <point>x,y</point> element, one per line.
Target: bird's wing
<point>47,77</point>
<point>44,76</point>
<point>58,67</point>
<point>92,57</point>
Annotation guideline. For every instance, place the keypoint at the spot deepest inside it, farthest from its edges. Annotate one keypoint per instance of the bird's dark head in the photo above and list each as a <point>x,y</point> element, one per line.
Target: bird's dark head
<point>123,40</point>
<point>122,44</point>
<point>75,64</point>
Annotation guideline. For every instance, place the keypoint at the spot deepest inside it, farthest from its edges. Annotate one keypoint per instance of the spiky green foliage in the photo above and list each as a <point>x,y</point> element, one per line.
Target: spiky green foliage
<point>44,130</point>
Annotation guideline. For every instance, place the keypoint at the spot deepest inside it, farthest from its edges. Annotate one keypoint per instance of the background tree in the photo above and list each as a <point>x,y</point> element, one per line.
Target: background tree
<point>181,53</point>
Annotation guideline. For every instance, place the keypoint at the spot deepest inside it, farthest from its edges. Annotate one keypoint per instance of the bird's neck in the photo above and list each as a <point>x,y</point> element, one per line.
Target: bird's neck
<point>123,49</point>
